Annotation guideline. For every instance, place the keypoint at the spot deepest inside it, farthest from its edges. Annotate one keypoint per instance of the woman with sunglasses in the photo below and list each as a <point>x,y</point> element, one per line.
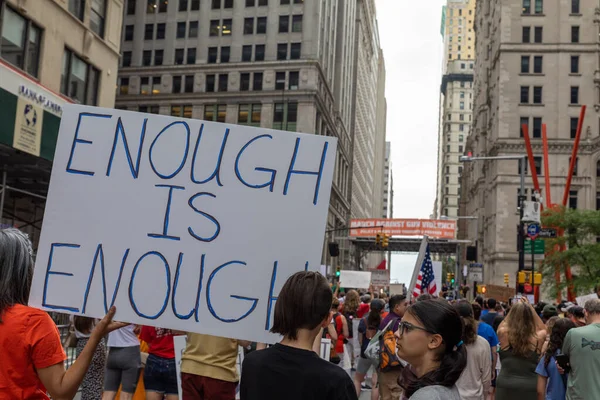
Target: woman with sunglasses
<point>429,339</point>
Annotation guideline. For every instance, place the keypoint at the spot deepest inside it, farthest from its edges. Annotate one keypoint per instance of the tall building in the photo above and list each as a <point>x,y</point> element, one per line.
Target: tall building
<point>282,64</point>
<point>456,99</point>
<point>388,184</point>
<point>52,53</point>
<point>536,63</point>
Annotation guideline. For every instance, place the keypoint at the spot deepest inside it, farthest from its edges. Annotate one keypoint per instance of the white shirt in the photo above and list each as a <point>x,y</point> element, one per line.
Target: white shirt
<point>123,337</point>
<point>475,380</point>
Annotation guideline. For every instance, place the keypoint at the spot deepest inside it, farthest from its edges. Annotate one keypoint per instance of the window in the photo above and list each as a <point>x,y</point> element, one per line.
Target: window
<point>191,55</point>
<point>537,128</point>
<point>248,26</point>
<point>537,95</point>
<point>538,34</point>
<point>461,138</point>
<point>183,5</point>
<point>526,169</point>
<point>195,5</point>
<point>79,80</point>
<point>129,29</point>
<point>523,121</point>
<point>228,4</point>
<point>156,82</point>
<point>574,123</point>
<point>461,149</point>
<point>20,43</point>
<point>178,57</point>
<point>525,64</point>
<point>538,64</point>
<point>180,30</point>
<point>193,29</point>
<point>284,2</point>
<point>214,27</point>
<point>526,34</point>
<point>574,64</point>
<point>259,52</point>
<point>575,7</point>
<point>130,7</point>
<point>574,94</point>
<point>189,84</point>
<point>537,162</point>
<point>285,116</point>
<point>223,80</point>
<point>282,51</point>
<point>97,16</point>
<point>177,84</point>
<point>284,23</point>
<point>249,114</point>
<point>184,111</point>
<point>213,53</point>
<point>295,50</point>
<point>461,117</point>
<point>462,105</point>
<point>145,85</point>
<point>151,7</point>
<point>227,27</point>
<point>225,51</point>
<point>280,81</point>
<point>461,127</point>
<point>247,53</point>
<point>126,59</point>
<point>158,57</point>
<point>160,31</point>
<point>147,58</point>
<point>294,80</point>
<point>149,32</point>
<point>573,199</point>
<point>261,25</point>
<point>258,81</point>
<point>210,83</point>
<point>263,3</point>
<point>249,3</point>
<point>124,86</point>
<point>216,4</point>
<point>297,23</point>
<point>244,82</point>
<point>574,34</point>
<point>162,6</point>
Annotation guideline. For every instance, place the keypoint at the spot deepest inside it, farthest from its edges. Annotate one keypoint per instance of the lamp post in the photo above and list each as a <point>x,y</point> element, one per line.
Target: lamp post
<point>522,162</point>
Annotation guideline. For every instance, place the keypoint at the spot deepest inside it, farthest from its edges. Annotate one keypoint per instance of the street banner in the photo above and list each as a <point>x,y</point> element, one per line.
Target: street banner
<point>182,224</point>
<point>355,279</point>
<point>380,277</point>
<point>440,229</point>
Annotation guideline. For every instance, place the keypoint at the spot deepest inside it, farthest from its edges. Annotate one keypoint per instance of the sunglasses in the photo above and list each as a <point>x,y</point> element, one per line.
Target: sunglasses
<point>408,327</point>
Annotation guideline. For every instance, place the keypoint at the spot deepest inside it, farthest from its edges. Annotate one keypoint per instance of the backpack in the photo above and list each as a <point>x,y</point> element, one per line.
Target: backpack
<point>388,359</point>
<point>334,358</point>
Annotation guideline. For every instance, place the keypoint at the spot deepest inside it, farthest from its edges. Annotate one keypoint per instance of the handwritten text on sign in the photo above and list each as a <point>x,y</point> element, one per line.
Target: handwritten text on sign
<point>182,224</point>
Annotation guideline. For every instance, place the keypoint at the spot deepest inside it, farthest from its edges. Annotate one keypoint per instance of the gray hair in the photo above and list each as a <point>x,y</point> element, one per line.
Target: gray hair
<point>593,306</point>
<point>16,268</point>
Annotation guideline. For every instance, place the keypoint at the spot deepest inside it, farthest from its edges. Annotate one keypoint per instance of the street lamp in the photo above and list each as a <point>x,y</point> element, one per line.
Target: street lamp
<point>522,160</point>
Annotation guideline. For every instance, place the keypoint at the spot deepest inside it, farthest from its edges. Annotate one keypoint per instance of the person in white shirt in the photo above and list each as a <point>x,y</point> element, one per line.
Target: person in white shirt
<point>475,381</point>
<point>123,363</point>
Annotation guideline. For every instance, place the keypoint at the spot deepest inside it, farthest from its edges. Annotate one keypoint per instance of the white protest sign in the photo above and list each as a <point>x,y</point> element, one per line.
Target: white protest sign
<point>581,300</point>
<point>355,279</point>
<point>380,277</point>
<point>180,223</point>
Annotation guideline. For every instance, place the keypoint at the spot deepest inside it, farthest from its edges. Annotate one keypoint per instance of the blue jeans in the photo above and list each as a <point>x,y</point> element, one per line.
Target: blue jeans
<point>160,375</point>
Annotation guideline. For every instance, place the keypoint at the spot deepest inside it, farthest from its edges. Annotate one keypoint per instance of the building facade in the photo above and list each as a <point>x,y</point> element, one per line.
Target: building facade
<point>456,99</point>
<point>52,53</point>
<point>388,184</point>
<point>536,63</point>
<point>281,64</point>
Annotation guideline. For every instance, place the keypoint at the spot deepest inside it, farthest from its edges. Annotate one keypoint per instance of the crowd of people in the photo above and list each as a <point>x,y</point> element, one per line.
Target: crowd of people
<point>424,348</point>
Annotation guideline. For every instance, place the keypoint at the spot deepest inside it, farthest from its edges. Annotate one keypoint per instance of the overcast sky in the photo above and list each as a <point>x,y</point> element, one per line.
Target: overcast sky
<point>412,45</point>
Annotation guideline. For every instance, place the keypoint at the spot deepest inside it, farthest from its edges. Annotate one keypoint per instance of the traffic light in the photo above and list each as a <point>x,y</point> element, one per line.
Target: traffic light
<point>537,278</point>
<point>525,277</point>
<point>378,239</point>
<point>481,289</point>
<point>386,240</point>
<point>506,279</point>
<point>337,272</point>
<point>452,278</point>
<point>448,277</point>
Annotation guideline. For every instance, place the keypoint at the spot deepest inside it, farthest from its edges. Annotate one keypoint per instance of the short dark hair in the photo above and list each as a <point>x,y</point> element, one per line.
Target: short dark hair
<point>491,304</point>
<point>476,311</point>
<point>576,311</point>
<point>395,300</point>
<point>303,303</point>
<point>479,300</point>
<point>424,296</point>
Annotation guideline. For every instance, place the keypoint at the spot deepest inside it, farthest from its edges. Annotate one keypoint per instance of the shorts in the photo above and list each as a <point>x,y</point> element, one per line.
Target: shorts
<point>196,387</point>
<point>160,375</point>
<point>122,369</point>
<point>363,365</point>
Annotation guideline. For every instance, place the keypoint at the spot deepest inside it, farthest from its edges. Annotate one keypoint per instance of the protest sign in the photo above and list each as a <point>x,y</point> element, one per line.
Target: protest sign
<point>182,224</point>
<point>380,277</point>
<point>355,279</point>
<point>581,300</point>
<point>442,229</point>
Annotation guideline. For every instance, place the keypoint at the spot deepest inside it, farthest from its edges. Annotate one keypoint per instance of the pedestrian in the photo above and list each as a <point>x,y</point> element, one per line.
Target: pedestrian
<point>32,358</point>
<point>341,328</point>
<point>123,363</point>
<point>367,328</point>
<point>349,310</point>
<point>93,382</point>
<point>522,335</point>
<point>160,373</point>
<point>549,311</point>
<point>290,369</point>
<point>475,381</point>
<point>551,385</point>
<point>489,314</point>
<point>582,346</point>
<point>389,389</point>
<point>363,309</point>
<point>429,339</point>
<point>577,315</point>
<point>488,333</point>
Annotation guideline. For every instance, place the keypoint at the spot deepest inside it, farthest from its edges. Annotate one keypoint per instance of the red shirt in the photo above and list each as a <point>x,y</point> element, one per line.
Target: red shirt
<point>29,340</point>
<point>160,341</point>
<point>363,309</point>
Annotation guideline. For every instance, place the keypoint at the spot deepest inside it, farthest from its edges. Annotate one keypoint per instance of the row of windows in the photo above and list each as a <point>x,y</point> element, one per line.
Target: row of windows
<point>537,7</point>
<point>461,117</point>
<point>537,126</point>
<point>538,34</point>
<point>160,6</point>
<point>537,95</point>
<point>538,64</point>
<point>97,13</point>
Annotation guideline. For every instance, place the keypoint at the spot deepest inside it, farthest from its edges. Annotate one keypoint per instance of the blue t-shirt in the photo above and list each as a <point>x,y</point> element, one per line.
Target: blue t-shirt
<point>556,387</point>
<point>487,332</point>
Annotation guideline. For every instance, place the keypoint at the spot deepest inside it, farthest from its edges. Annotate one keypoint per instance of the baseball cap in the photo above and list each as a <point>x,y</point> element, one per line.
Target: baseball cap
<point>566,306</point>
<point>549,309</point>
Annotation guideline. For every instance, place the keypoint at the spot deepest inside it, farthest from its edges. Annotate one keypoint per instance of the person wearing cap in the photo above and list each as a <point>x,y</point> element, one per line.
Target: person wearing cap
<point>564,306</point>
<point>548,312</point>
<point>577,315</point>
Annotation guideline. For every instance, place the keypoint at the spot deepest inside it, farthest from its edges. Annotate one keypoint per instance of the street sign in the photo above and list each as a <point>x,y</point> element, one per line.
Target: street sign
<point>533,230</point>
<point>539,246</point>
<point>548,233</point>
<point>476,275</point>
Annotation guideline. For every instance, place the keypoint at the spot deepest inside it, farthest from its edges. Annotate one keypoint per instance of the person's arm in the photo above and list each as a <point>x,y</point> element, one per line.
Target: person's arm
<point>542,381</point>
<point>345,330</point>
<point>494,361</point>
<point>63,384</point>
<point>332,333</point>
<point>317,342</point>
<point>487,372</point>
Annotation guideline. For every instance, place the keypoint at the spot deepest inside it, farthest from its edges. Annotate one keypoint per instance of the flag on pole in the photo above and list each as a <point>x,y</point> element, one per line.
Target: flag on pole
<point>382,265</point>
<point>426,279</point>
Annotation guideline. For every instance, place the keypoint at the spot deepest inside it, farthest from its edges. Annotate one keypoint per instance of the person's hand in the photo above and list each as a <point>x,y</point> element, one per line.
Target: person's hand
<point>106,325</point>
<point>559,368</point>
<point>137,329</point>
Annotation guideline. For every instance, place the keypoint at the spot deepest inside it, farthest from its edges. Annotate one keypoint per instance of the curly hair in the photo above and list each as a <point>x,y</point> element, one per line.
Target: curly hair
<point>559,331</point>
<point>521,328</point>
<point>352,302</point>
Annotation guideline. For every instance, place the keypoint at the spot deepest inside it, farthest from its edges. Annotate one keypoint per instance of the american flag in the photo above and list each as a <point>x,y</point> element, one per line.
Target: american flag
<point>426,280</point>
